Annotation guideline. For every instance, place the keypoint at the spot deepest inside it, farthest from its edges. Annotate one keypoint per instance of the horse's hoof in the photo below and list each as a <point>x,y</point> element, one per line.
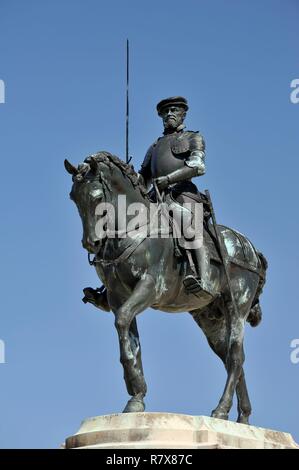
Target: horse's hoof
<point>89,295</point>
<point>219,415</point>
<point>98,299</point>
<point>243,419</point>
<point>134,405</point>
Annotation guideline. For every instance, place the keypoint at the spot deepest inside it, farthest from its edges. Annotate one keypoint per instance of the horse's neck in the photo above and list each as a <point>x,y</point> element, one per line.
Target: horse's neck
<point>122,187</point>
<point>127,200</point>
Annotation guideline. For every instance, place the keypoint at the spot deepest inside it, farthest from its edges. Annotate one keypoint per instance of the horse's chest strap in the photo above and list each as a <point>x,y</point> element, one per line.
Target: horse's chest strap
<point>124,255</point>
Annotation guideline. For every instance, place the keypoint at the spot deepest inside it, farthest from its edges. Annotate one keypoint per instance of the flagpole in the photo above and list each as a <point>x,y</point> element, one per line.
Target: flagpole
<point>127,106</point>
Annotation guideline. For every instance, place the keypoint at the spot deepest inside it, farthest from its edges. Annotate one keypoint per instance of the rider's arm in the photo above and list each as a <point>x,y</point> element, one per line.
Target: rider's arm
<point>194,163</point>
<point>182,174</point>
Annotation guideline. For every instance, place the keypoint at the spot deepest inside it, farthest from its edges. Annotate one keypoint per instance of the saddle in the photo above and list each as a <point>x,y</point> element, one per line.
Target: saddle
<point>238,249</point>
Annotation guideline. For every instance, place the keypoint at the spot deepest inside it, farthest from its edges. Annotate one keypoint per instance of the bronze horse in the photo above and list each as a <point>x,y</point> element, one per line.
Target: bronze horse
<point>146,273</point>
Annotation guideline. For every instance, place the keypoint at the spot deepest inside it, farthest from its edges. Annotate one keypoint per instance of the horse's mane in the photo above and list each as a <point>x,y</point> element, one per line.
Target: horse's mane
<point>126,169</point>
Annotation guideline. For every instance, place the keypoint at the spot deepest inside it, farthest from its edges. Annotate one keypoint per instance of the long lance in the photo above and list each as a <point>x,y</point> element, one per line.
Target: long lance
<point>127,106</point>
<point>223,255</point>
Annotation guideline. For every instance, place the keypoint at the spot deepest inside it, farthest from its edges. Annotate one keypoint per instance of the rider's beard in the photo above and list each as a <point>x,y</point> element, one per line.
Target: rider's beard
<point>171,123</point>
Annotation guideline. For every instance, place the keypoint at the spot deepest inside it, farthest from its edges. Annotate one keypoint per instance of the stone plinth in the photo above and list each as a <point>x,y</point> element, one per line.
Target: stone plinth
<point>173,431</point>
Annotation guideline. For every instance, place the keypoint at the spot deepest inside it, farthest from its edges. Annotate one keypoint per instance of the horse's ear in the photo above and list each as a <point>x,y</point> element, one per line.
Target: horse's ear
<point>71,169</point>
<point>93,164</point>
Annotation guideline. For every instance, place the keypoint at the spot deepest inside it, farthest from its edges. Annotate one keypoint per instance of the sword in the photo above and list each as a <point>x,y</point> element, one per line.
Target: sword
<point>222,254</point>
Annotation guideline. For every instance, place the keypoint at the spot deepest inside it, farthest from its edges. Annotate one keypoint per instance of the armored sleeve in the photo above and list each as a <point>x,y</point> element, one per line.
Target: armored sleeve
<point>145,170</point>
<point>196,157</point>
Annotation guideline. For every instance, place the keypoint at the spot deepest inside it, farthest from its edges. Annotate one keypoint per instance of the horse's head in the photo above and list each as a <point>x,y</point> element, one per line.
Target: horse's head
<point>100,179</point>
<point>87,192</point>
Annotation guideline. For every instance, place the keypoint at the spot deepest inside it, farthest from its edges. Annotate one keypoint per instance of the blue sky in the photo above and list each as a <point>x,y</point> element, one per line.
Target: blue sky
<point>63,64</point>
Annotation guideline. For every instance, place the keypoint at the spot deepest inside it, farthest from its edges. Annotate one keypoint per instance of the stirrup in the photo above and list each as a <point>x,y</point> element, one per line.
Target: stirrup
<point>193,284</point>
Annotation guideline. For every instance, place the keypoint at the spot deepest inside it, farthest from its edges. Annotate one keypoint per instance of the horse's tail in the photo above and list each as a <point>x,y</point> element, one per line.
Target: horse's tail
<point>255,314</point>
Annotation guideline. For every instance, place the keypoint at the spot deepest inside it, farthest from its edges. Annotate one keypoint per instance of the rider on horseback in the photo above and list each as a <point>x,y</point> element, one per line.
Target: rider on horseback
<point>171,162</point>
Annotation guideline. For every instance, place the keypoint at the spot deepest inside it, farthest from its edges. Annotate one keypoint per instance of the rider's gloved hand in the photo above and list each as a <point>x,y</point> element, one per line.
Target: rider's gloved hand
<point>162,182</point>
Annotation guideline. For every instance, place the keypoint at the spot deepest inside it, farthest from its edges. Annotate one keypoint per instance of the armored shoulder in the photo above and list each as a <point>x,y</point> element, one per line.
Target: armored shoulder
<point>196,141</point>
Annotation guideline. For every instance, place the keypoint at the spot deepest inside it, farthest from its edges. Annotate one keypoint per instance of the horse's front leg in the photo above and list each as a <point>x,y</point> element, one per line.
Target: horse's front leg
<point>142,297</point>
<point>234,364</point>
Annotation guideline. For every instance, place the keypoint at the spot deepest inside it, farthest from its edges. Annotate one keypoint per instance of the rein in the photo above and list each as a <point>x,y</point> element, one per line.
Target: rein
<point>129,249</point>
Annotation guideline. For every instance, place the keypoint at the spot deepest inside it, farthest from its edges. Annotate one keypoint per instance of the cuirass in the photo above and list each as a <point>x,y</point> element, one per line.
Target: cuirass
<point>168,154</point>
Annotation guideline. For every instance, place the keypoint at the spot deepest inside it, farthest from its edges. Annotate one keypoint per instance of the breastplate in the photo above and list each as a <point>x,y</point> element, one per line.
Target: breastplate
<point>164,160</point>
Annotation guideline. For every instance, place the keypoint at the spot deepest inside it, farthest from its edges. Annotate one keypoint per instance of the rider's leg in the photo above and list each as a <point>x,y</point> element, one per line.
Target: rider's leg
<point>202,261</point>
<point>200,280</point>
<point>188,228</point>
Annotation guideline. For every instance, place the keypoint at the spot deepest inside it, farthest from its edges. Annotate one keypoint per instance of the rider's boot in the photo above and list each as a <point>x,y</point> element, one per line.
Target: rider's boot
<point>96,297</point>
<point>201,282</point>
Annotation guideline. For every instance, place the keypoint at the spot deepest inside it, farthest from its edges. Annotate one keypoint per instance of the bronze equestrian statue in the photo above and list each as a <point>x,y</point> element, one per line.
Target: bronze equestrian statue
<point>143,271</point>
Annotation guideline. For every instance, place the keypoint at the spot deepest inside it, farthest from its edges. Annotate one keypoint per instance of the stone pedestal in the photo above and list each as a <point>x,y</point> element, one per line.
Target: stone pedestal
<point>173,431</point>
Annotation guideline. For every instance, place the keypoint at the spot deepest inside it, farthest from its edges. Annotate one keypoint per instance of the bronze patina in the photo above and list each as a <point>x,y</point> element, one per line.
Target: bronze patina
<point>219,284</point>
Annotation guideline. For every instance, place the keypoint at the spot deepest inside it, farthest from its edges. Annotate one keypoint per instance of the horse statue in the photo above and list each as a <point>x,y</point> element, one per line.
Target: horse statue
<point>142,271</point>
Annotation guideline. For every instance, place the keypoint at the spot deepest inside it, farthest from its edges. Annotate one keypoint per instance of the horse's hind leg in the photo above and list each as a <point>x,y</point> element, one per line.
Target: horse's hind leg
<point>234,364</point>
<point>130,356</point>
<point>215,330</point>
<point>244,405</point>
